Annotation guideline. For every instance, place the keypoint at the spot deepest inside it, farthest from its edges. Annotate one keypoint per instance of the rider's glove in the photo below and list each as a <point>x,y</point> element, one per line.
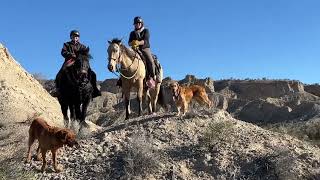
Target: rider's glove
<point>135,44</point>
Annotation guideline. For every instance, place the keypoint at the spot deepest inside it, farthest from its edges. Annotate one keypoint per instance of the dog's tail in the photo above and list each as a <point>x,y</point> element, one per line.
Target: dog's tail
<point>161,98</point>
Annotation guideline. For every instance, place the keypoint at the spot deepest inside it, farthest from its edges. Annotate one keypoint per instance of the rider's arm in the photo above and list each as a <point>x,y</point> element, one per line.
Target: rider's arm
<point>65,52</point>
<point>131,38</point>
<point>145,38</point>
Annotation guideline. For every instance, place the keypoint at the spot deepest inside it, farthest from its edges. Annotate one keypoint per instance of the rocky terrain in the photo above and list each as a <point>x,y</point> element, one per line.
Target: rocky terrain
<point>258,129</point>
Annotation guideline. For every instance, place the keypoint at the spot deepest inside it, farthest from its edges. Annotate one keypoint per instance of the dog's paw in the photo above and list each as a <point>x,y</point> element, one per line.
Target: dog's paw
<point>43,168</point>
<point>27,160</point>
<point>58,169</point>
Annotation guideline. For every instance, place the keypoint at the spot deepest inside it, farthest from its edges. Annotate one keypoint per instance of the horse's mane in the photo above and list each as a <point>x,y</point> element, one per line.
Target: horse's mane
<point>84,53</point>
<point>129,52</point>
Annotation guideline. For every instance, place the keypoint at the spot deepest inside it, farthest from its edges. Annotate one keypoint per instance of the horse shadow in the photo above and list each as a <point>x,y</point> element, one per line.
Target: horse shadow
<point>138,121</point>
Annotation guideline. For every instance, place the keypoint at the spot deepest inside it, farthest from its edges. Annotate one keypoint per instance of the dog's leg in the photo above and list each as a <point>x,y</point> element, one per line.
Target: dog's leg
<point>44,162</point>
<point>30,142</point>
<point>178,108</point>
<point>38,154</point>
<point>54,158</point>
<point>184,108</point>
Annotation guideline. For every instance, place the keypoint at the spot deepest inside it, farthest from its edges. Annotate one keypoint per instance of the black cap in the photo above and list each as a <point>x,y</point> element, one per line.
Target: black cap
<point>137,20</point>
<point>74,33</point>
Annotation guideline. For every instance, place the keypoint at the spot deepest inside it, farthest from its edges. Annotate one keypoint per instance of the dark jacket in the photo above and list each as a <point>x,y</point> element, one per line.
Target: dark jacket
<point>143,35</point>
<point>69,49</point>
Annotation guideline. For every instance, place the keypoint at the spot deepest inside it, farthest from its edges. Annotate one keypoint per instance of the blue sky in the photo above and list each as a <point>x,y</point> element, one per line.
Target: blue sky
<point>215,38</point>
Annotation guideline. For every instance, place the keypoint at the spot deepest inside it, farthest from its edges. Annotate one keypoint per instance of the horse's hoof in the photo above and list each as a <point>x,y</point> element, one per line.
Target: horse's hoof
<point>84,124</point>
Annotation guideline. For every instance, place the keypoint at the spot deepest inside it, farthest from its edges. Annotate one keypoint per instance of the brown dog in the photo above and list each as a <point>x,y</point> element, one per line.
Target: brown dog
<point>50,138</point>
<point>183,95</point>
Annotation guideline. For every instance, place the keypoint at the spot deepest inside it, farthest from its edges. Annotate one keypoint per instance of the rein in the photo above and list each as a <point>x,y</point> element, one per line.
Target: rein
<point>124,69</point>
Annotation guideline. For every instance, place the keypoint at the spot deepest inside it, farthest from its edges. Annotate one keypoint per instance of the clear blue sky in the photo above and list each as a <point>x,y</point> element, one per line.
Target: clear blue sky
<point>213,38</point>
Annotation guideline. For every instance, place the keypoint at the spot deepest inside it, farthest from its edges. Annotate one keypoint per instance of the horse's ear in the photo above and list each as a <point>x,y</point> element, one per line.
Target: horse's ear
<point>109,42</point>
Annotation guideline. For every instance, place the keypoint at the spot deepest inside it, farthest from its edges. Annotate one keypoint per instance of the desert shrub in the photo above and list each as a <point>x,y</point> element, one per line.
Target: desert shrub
<point>140,157</point>
<point>304,131</point>
<point>12,171</point>
<point>217,132</point>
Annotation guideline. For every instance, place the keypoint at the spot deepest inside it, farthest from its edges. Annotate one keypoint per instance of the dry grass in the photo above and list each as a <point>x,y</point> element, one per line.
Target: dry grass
<point>14,171</point>
<point>306,131</point>
<point>140,157</point>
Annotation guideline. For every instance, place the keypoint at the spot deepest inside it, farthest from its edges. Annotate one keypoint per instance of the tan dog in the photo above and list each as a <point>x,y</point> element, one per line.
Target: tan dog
<point>183,95</point>
<point>50,138</point>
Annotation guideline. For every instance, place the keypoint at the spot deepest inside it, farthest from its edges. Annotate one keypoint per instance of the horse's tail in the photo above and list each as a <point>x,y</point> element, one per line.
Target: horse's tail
<point>161,99</point>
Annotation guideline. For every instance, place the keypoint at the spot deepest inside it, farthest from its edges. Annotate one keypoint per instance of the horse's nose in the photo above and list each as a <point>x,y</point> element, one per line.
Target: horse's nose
<point>110,67</point>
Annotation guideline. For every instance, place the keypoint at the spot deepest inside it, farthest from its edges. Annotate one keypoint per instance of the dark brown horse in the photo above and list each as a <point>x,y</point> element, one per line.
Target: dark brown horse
<point>76,89</point>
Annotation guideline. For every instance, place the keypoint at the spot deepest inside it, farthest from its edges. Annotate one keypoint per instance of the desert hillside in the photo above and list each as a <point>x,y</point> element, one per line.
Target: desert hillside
<point>21,98</point>
<point>258,129</point>
<point>22,95</point>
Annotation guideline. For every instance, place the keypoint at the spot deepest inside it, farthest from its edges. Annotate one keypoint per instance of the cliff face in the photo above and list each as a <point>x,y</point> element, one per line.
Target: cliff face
<point>21,96</point>
<point>263,89</point>
<point>313,89</point>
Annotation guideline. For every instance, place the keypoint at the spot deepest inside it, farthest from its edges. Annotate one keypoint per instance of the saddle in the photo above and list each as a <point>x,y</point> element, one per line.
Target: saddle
<point>155,60</point>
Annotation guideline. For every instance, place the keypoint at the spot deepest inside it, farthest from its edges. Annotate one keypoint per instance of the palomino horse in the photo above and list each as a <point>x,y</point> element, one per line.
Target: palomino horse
<point>133,72</point>
<point>76,89</point>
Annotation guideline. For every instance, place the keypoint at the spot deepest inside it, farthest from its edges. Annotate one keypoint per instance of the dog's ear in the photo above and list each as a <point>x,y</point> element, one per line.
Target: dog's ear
<point>62,135</point>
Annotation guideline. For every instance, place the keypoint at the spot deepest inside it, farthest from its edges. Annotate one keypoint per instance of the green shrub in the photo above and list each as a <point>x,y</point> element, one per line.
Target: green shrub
<point>217,132</point>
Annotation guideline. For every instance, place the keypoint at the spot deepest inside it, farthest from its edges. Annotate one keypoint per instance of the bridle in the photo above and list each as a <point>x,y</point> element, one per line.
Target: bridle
<point>120,69</point>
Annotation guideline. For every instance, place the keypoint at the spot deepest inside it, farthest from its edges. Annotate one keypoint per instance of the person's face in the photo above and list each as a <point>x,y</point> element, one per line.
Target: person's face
<point>138,25</point>
<point>75,38</point>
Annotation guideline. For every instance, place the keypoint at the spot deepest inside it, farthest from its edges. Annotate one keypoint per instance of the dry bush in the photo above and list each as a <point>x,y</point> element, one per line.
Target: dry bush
<point>307,131</point>
<point>14,171</point>
<point>217,132</point>
<point>140,157</point>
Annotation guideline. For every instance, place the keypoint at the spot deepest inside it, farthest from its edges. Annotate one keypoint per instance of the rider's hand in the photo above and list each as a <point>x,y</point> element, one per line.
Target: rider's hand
<point>135,44</point>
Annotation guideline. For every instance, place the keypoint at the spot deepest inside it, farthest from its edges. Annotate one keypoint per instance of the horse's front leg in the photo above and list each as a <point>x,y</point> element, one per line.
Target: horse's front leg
<point>64,109</point>
<point>78,112</point>
<point>72,112</point>
<point>155,98</point>
<point>84,109</point>
<point>127,102</point>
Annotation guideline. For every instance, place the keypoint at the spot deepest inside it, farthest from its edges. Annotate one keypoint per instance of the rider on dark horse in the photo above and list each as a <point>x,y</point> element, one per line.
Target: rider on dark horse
<point>139,40</point>
<point>70,52</point>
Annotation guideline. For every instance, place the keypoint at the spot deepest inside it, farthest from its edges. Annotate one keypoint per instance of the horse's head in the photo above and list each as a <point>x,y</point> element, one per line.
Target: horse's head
<point>114,53</point>
<point>83,60</point>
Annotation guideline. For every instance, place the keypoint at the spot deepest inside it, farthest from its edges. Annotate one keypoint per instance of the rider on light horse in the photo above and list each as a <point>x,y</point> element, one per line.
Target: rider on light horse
<point>139,41</point>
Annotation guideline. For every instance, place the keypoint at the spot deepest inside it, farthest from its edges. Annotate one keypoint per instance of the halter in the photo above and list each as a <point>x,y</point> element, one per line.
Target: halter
<point>124,69</point>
